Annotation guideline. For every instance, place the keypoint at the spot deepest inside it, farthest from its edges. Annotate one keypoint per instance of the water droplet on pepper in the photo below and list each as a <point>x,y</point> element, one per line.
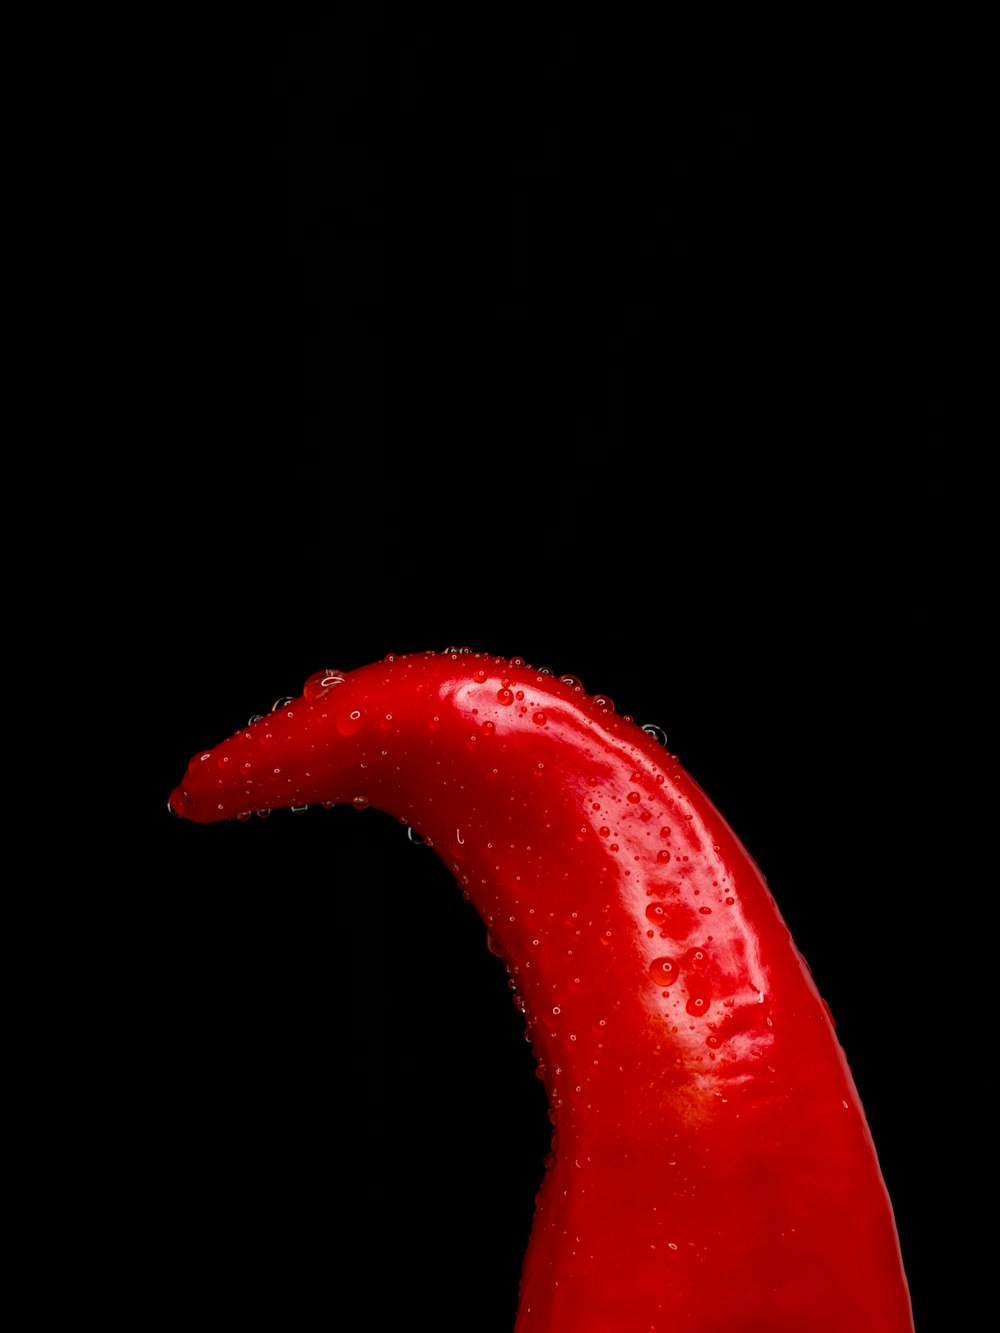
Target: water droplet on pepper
<point>664,971</point>
<point>350,722</point>
<point>320,683</point>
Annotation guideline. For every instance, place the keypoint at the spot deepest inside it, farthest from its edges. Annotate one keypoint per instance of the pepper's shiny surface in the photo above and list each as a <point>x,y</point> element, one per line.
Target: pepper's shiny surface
<point>712,1167</point>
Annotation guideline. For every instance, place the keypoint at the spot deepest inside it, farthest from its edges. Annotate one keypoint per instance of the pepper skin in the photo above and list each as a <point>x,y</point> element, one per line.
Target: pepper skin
<point>711,1164</point>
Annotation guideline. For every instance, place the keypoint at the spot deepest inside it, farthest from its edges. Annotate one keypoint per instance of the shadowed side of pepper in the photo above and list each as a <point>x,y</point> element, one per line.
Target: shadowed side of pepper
<point>712,1166</point>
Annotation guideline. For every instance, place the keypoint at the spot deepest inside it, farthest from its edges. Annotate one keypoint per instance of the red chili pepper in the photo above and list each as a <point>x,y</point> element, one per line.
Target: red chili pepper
<point>711,1164</point>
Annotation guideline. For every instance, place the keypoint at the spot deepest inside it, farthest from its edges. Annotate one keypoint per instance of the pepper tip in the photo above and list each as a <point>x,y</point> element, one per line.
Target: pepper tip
<point>179,804</point>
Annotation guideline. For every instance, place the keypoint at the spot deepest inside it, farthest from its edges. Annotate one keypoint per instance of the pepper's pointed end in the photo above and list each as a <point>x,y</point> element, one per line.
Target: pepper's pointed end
<point>180,804</point>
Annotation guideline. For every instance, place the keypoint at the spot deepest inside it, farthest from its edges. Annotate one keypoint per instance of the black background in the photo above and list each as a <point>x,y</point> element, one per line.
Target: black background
<point>546,346</point>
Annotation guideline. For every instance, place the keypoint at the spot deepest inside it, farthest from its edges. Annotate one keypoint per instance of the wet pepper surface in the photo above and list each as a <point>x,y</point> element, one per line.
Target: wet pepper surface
<point>711,1164</point>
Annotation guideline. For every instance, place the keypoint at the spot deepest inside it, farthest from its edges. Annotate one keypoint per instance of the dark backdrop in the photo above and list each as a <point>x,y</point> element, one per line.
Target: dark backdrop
<point>547,347</point>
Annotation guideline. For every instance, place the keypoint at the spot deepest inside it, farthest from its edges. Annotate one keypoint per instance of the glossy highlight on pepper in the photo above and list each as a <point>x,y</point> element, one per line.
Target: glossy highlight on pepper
<point>711,1165</point>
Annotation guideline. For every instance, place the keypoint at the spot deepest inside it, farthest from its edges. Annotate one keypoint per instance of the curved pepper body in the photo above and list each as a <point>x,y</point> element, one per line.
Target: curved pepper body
<point>711,1164</point>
